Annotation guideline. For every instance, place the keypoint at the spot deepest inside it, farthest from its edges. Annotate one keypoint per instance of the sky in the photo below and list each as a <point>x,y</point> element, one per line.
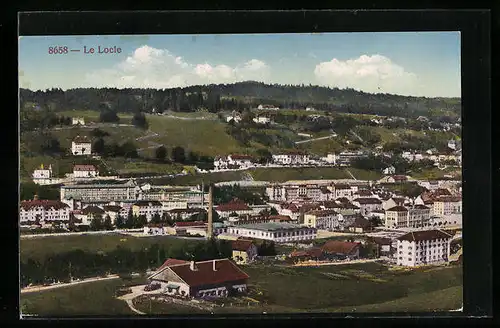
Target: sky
<point>405,63</point>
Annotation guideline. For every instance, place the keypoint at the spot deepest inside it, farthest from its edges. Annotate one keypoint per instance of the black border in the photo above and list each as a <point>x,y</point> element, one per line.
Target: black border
<point>476,94</point>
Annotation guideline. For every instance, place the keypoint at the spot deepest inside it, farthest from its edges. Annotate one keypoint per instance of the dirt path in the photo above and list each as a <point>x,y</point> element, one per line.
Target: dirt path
<point>315,139</point>
<point>43,288</point>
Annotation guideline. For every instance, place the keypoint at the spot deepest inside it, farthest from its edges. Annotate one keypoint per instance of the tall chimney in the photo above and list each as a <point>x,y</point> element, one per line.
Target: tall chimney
<point>213,265</point>
<point>191,266</point>
<point>210,219</point>
<point>202,194</point>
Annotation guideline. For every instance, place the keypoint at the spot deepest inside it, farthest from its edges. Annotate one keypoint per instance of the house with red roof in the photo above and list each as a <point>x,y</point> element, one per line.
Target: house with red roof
<point>81,145</point>
<point>341,248</point>
<point>43,211</point>
<point>212,278</point>
<point>234,206</point>
<point>85,171</point>
<point>180,228</point>
<point>313,253</point>
<point>244,251</point>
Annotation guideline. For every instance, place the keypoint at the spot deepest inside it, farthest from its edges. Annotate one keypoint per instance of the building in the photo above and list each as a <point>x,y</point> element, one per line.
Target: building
<point>423,247</point>
<point>342,190</point>
<point>85,171</point>
<point>78,121</point>
<point>235,161</point>
<point>392,202</point>
<point>396,217</point>
<point>291,158</point>
<point>100,192</point>
<point>235,206</point>
<point>368,205</point>
<point>262,119</point>
<point>277,232</point>
<point>43,211</point>
<point>43,173</point>
<point>359,225</point>
<point>447,205</point>
<point>235,117</point>
<point>309,254</point>
<point>244,251</point>
<point>185,213</point>
<point>213,278</point>
<point>345,158</point>
<point>384,245</point>
<point>155,229</point>
<point>147,208</point>
<point>323,219</point>
<point>268,107</point>
<point>113,211</point>
<point>336,248</point>
<point>390,170</point>
<point>397,179</point>
<point>180,228</point>
<point>81,146</point>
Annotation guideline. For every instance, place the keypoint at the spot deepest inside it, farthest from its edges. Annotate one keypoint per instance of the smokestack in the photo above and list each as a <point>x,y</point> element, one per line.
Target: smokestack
<point>202,194</point>
<point>213,265</point>
<point>210,219</point>
<point>192,266</point>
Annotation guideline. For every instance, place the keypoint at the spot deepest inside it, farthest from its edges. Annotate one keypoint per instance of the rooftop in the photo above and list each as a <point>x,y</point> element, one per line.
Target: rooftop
<point>424,235</point>
<point>271,226</point>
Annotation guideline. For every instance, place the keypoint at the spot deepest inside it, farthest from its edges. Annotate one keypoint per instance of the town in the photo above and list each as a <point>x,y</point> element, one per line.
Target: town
<point>240,174</point>
<point>358,221</point>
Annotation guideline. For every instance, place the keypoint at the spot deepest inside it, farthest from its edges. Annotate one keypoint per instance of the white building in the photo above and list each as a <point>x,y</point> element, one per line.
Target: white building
<point>262,119</point>
<point>235,206</point>
<point>85,171</point>
<point>78,121</point>
<point>389,170</point>
<point>147,209</point>
<point>447,206</point>
<point>345,158</point>
<point>81,146</point>
<point>42,175</point>
<point>236,117</point>
<point>423,248</point>
<point>323,219</point>
<point>401,217</point>
<point>291,158</point>
<point>100,192</point>
<point>342,190</point>
<point>277,232</point>
<point>268,107</point>
<point>368,204</point>
<point>46,211</point>
<point>233,162</point>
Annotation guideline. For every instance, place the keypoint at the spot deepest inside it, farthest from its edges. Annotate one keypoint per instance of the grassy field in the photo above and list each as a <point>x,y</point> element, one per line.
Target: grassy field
<point>206,137</point>
<point>365,174</point>
<point>40,247</point>
<point>94,298</point>
<point>123,166</point>
<point>93,116</point>
<point>261,174</point>
<point>436,174</point>
<point>368,287</point>
<point>321,147</point>
<point>285,174</point>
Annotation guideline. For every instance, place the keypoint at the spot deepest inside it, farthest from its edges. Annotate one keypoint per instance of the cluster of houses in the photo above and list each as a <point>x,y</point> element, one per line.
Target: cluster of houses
<point>289,158</point>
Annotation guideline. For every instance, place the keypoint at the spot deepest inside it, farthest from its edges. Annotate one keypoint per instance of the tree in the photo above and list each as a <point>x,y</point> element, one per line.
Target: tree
<point>264,156</point>
<point>139,120</point>
<point>98,133</point>
<point>178,155</point>
<point>273,211</point>
<point>96,224</point>
<point>99,147</point>
<point>129,150</point>
<point>119,222</point>
<point>108,116</point>
<point>161,153</point>
<point>107,225</point>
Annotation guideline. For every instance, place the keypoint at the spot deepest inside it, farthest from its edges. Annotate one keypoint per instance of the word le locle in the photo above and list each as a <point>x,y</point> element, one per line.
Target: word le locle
<point>102,50</point>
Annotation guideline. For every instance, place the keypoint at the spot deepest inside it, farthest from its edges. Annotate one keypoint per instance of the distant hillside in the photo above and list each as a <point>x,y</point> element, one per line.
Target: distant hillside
<point>239,96</point>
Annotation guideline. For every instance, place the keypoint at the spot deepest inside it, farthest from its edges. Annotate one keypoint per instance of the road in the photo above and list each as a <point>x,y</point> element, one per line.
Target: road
<point>43,288</point>
<point>77,233</point>
<point>92,126</point>
<point>315,139</point>
<point>337,263</point>
<point>349,172</point>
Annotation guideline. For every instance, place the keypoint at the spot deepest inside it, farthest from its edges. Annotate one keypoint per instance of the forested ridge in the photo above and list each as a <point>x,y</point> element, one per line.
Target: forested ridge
<point>239,96</point>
